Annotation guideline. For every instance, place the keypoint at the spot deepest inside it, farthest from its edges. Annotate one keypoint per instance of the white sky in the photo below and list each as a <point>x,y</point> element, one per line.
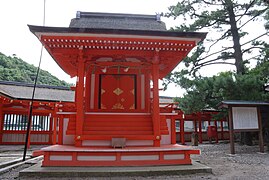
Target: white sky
<point>15,37</point>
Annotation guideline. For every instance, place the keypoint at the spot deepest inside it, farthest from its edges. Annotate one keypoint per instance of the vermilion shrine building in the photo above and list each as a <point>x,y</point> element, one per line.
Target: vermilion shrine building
<point>118,60</point>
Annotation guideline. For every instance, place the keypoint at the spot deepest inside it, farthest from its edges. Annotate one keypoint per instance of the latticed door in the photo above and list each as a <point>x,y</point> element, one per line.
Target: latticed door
<point>117,92</point>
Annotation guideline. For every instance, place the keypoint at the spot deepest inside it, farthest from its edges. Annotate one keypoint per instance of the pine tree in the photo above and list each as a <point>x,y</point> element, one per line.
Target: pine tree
<point>226,21</point>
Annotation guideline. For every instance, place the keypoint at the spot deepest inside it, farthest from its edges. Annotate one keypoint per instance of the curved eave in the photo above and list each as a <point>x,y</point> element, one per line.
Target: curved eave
<point>199,36</point>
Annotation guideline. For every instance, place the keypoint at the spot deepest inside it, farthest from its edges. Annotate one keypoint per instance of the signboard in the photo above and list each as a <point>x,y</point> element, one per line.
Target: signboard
<point>245,118</point>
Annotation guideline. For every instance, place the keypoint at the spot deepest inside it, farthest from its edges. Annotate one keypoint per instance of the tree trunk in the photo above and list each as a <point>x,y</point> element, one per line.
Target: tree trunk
<point>240,69</point>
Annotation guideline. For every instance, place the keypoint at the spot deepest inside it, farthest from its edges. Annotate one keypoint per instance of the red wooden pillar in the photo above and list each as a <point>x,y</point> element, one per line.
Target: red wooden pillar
<point>182,139</point>
<point>51,128</point>
<point>55,120</point>
<point>173,130</point>
<point>155,103</point>
<point>221,126</point>
<point>195,122</point>
<point>231,130</point>
<point>61,126</point>
<point>261,143</point>
<point>217,136</point>
<point>1,121</point>
<point>54,133</point>
<point>80,99</point>
<point>200,127</point>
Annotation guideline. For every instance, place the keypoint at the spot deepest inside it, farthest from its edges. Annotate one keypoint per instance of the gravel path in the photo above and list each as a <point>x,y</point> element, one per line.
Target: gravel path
<point>247,163</point>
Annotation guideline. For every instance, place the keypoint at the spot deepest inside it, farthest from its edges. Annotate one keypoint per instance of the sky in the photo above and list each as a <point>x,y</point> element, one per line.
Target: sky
<point>15,37</point>
<point>15,15</point>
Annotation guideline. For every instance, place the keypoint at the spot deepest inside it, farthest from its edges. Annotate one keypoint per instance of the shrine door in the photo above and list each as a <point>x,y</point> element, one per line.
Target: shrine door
<point>117,92</point>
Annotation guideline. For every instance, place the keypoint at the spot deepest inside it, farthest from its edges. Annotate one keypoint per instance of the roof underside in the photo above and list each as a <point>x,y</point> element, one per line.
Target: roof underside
<point>64,44</point>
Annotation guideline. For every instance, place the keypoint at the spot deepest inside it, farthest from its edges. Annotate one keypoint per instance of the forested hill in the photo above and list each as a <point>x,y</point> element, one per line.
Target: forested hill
<point>15,69</point>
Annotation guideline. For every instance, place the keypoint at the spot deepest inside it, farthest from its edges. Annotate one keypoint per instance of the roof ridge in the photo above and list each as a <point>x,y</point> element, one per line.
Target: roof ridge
<point>167,97</point>
<point>81,14</point>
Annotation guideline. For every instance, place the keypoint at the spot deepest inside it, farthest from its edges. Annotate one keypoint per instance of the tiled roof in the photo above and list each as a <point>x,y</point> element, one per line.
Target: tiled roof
<point>227,103</point>
<point>17,90</point>
<point>117,21</point>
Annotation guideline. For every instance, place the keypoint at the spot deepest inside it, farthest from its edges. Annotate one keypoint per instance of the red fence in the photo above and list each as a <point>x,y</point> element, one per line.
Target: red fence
<point>14,119</point>
<point>47,126</point>
<point>198,123</point>
<point>15,125</point>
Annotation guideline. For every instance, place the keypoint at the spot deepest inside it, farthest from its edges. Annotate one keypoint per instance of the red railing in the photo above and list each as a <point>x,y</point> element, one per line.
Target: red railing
<point>198,123</point>
<point>14,126</point>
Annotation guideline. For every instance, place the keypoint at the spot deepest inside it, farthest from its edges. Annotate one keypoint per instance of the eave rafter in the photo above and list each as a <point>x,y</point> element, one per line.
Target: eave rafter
<point>116,43</point>
<point>64,49</point>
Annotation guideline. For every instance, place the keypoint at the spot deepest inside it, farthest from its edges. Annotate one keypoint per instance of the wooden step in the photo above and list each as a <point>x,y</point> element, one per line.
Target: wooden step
<point>164,128</point>
<point>164,132</point>
<point>101,124</point>
<point>116,128</point>
<point>123,133</point>
<point>108,137</point>
<point>106,157</point>
<point>120,126</point>
<point>70,132</point>
<point>117,120</point>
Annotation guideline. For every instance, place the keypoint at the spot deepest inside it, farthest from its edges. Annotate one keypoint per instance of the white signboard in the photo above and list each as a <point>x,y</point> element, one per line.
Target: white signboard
<point>245,118</point>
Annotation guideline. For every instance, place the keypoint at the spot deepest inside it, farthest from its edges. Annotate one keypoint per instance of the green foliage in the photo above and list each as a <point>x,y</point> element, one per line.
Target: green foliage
<point>207,92</point>
<point>15,69</point>
<point>225,21</point>
<point>267,18</point>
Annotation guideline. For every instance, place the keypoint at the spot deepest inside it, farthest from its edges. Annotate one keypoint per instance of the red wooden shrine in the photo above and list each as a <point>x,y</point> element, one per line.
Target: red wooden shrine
<point>13,118</point>
<point>117,92</point>
<point>15,100</point>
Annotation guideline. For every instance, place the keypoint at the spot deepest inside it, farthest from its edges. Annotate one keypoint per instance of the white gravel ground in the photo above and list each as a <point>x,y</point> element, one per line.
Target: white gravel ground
<point>246,164</point>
